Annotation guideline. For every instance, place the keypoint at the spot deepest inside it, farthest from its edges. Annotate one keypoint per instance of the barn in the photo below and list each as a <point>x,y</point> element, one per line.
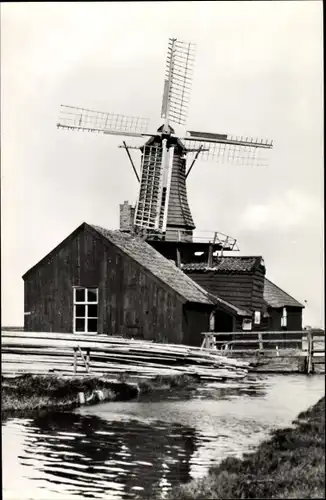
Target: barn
<point>109,282</point>
<point>114,282</point>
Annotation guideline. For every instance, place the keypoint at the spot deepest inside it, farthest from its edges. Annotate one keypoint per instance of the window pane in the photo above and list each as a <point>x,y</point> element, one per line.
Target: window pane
<point>92,311</point>
<point>92,295</point>
<point>92,325</point>
<point>80,294</point>
<point>80,311</point>
<point>80,325</point>
<point>246,324</point>
<point>257,317</point>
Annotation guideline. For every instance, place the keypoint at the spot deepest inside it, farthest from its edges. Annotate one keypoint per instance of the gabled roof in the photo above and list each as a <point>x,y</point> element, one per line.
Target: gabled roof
<point>146,256</point>
<point>226,265</point>
<point>231,308</point>
<point>164,269</point>
<point>143,253</point>
<point>275,297</point>
<point>158,265</point>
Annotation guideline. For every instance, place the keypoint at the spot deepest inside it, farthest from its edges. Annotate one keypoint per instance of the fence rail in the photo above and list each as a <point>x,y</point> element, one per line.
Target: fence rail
<point>308,343</point>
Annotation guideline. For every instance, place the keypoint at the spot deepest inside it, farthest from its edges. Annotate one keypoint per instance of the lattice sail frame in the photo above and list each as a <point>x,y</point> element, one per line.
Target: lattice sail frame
<point>224,148</point>
<point>178,81</point>
<point>155,179</point>
<point>75,118</point>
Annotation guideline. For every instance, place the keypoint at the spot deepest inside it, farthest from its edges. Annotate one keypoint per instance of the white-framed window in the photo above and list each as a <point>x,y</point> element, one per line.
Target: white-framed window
<point>257,317</point>
<point>85,310</point>
<point>246,324</point>
<point>212,321</point>
<point>284,318</point>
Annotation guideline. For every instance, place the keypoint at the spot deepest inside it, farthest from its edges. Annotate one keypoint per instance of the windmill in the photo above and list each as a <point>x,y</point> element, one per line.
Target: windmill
<point>162,211</point>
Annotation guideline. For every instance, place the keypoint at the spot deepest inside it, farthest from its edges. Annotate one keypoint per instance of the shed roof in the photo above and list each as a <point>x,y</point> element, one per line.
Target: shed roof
<point>158,265</point>
<point>225,265</point>
<point>276,297</point>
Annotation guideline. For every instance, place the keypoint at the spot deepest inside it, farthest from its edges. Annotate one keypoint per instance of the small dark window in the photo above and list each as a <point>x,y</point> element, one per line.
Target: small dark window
<point>80,311</point>
<point>92,295</point>
<point>80,294</point>
<point>80,324</point>
<point>92,311</point>
<point>92,325</point>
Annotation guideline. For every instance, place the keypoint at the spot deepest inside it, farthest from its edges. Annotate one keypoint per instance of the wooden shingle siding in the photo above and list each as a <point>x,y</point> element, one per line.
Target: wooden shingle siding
<point>236,289</point>
<point>257,299</point>
<point>178,210</point>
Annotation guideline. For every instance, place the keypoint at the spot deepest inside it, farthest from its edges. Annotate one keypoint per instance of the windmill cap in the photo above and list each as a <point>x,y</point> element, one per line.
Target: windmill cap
<point>160,129</point>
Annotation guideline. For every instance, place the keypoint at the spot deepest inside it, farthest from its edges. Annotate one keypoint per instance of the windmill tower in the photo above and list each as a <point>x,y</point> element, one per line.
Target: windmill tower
<point>162,214</point>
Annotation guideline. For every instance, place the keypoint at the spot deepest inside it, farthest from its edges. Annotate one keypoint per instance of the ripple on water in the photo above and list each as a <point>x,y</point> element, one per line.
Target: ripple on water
<point>122,450</point>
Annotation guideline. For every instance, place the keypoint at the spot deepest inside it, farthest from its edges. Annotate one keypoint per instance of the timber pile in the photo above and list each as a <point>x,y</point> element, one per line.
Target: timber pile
<point>27,352</point>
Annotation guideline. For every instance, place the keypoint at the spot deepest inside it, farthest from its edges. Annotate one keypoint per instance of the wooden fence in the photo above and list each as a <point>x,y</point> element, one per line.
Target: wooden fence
<point>280,344</point>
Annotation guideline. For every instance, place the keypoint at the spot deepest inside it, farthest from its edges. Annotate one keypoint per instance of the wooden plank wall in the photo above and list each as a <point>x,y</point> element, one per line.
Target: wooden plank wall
<point>294,318</point>
<point>131,300</point>
<point>257,291</point>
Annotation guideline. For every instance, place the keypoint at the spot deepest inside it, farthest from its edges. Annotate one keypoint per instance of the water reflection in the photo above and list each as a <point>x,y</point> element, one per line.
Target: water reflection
<point>123,449</point>
<point>94,458</point>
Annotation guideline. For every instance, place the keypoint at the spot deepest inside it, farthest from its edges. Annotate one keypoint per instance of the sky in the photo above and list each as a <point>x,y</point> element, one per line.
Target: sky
<point>258,72</point>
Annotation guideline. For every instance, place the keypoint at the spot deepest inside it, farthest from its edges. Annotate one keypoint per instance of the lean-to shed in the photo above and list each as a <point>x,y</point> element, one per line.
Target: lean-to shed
<point>284,312</point>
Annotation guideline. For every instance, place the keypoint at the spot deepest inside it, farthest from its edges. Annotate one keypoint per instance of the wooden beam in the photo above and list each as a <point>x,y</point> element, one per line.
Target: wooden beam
<point>210,255</point>
<point>132,163</point>
<point>178,257</point>
<point>309,353</point>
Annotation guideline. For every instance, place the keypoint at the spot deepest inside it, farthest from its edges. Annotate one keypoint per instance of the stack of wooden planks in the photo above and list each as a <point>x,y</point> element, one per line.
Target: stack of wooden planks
<point>39,353</point>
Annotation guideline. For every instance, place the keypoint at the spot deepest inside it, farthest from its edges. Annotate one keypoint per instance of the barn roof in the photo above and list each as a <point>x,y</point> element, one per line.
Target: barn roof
<point>275,297</point>
<point>225,265</point>
<point>152,260</point>
<point>158,265</point>
<point>165,269</point>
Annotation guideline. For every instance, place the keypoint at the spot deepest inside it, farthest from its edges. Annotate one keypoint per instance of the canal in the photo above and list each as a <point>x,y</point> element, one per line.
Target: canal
<point>121,450</point>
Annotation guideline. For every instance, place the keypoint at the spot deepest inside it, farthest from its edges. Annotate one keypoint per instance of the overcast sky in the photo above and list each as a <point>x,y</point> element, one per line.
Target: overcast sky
<point>258,72</point>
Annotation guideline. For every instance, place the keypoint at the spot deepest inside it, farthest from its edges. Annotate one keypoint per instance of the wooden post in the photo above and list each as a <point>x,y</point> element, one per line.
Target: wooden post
<point>88,358</point>
<point>178,258</point>
<point>75,360</point>
<point>309,352</point>
<point>210,255</point>
<point>84,358</point>
<point>260,338</point>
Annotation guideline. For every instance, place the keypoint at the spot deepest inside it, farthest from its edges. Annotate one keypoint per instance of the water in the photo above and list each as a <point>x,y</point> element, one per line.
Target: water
<point>126,449</point>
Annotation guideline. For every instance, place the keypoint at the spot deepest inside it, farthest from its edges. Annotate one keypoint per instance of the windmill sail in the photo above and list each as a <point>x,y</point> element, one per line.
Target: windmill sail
<point>97,121</point>
<point>224,148</point>
<point>178,80</point>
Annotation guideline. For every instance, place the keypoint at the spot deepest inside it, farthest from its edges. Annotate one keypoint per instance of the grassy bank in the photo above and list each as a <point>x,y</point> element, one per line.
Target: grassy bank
<point>52,392</point>
<point>291,464</point>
